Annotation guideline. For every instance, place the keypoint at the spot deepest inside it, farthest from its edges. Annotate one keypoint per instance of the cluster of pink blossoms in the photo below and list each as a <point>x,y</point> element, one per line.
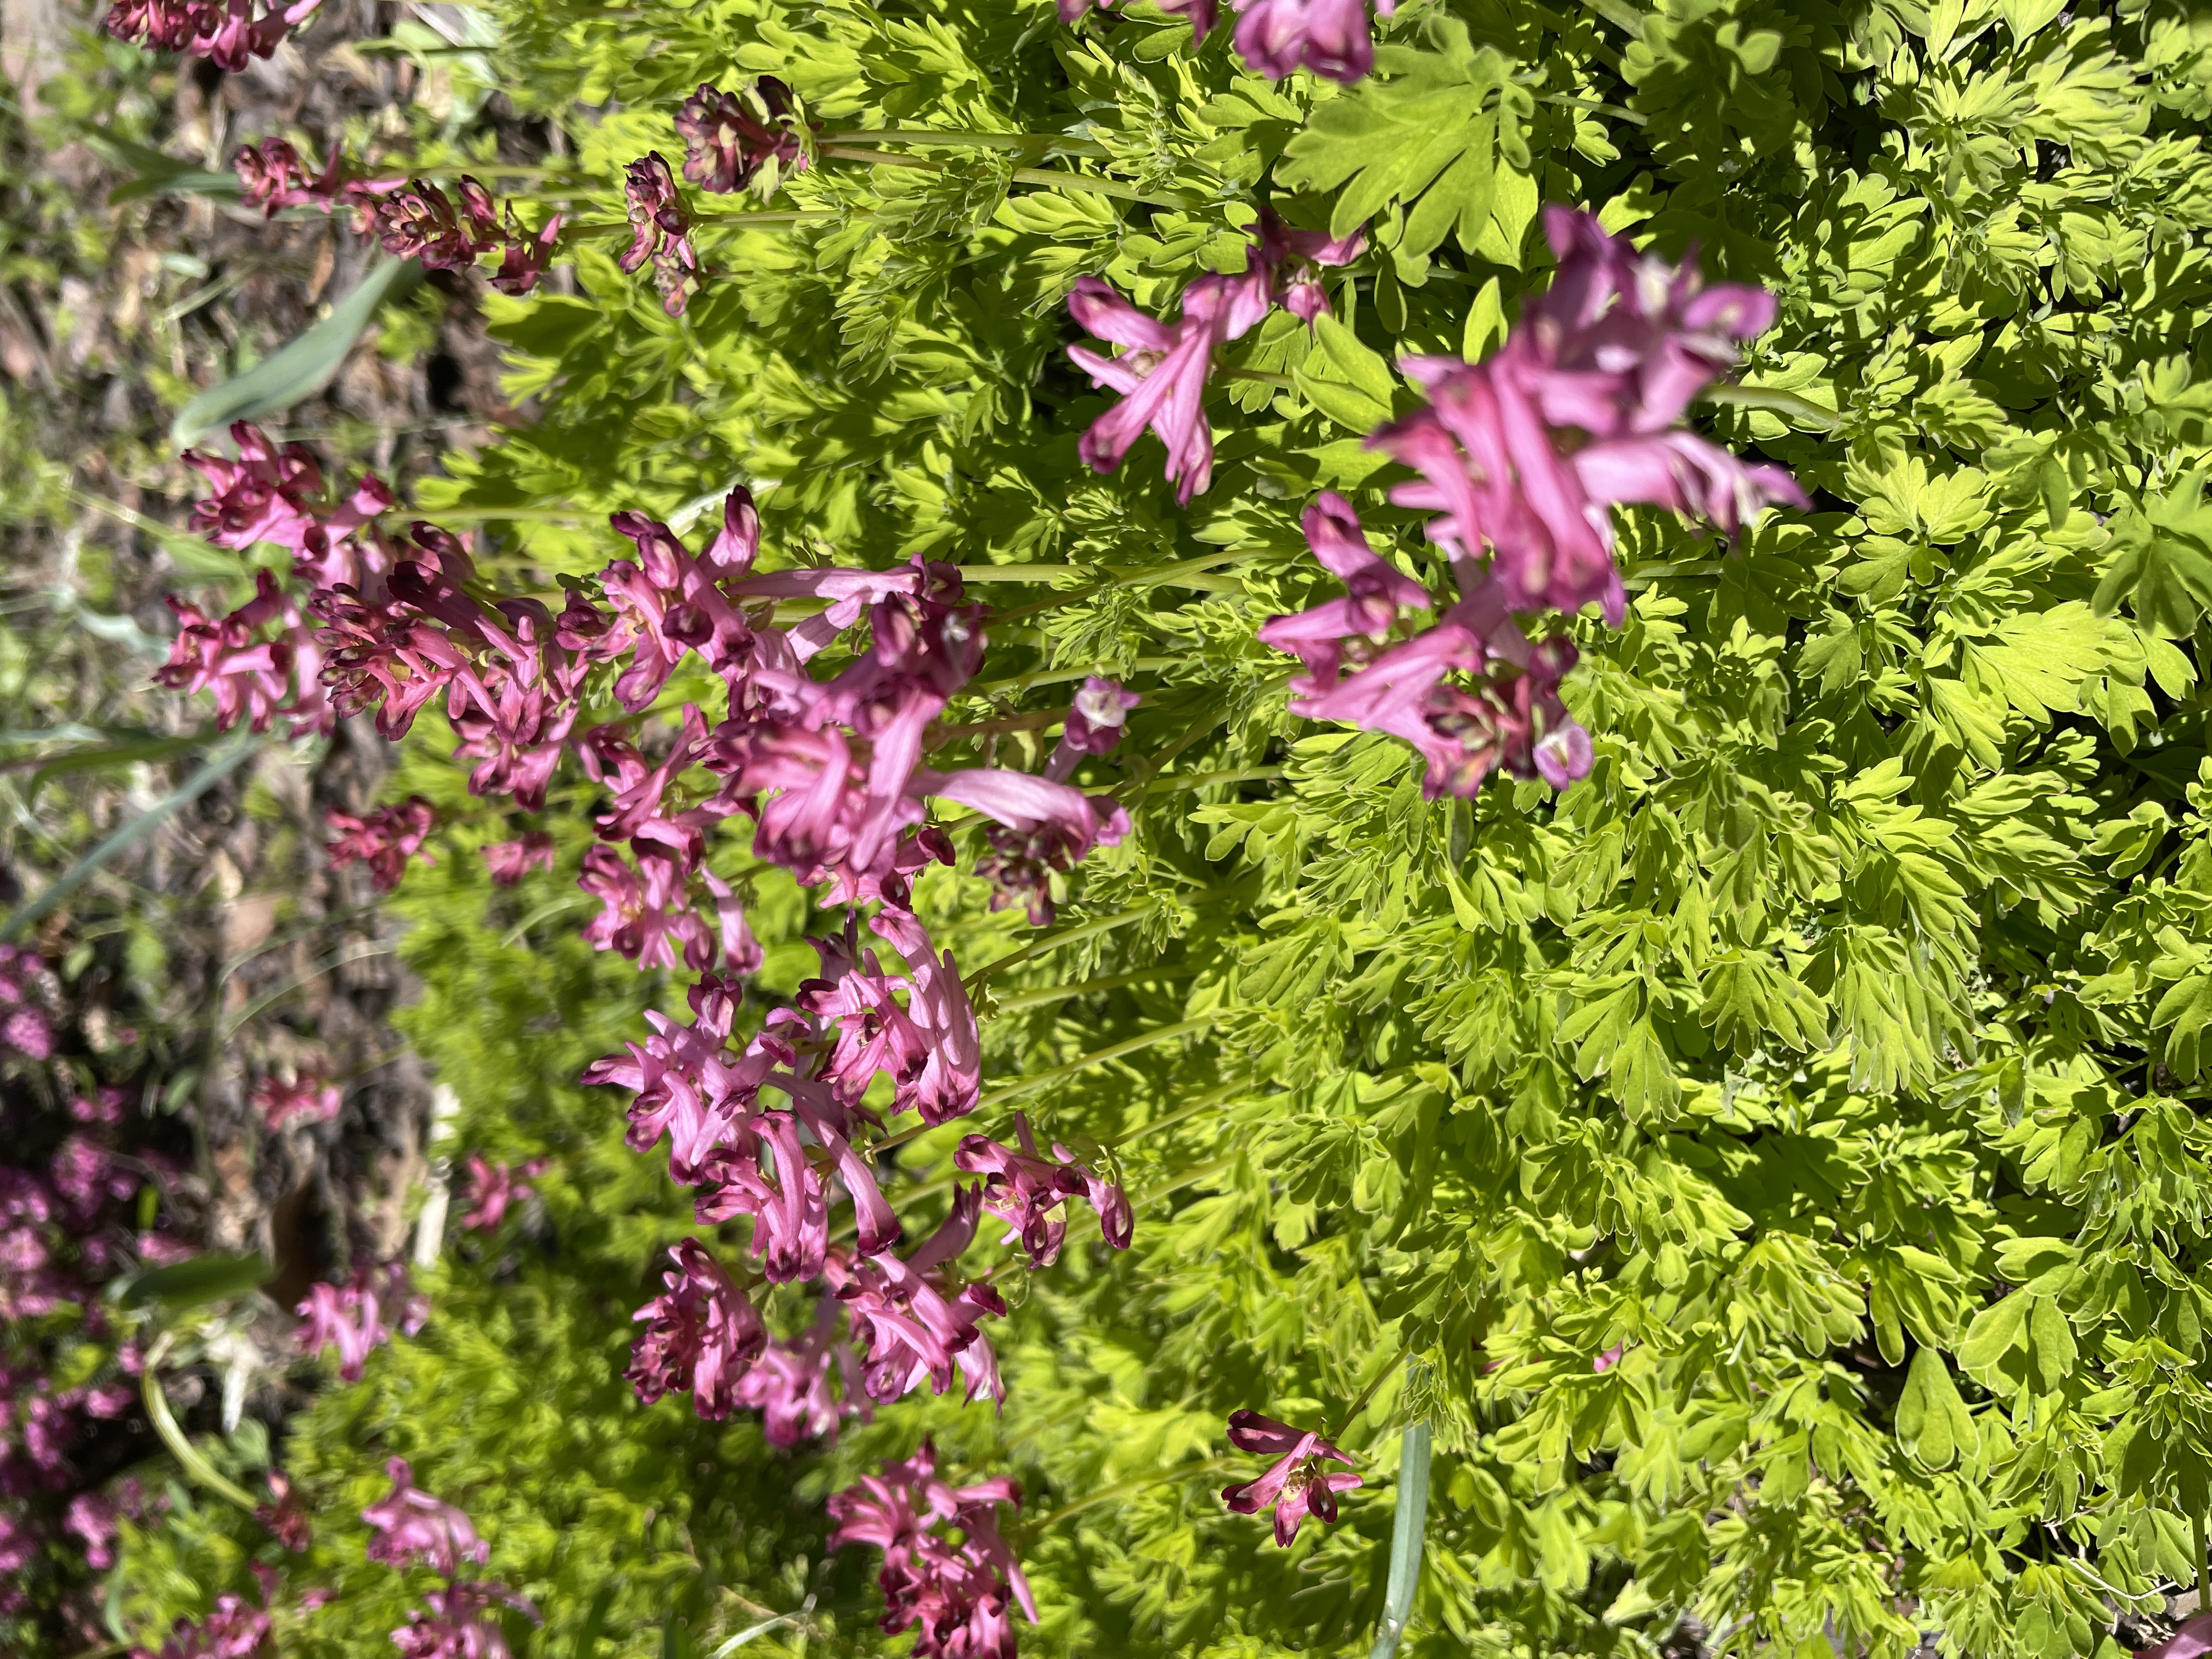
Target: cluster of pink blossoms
<point>954,1597</point>
<point>413,218</point>
<point>360,1316</point>
<point>1523,456</point>
<point>230,33</point>
<point>1332,37</point>
<point>414,1529</point>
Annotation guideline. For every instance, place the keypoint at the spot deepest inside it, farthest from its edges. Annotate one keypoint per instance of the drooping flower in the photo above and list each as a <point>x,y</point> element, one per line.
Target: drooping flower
<point>647,915</point>
<point>954,1597</point>
<point>412,1527</point>
<point>249,674</point>
<point>1293,259</point>
<point>384,839</point>
<point>525,258</point>
<point>1329,37</point>
<point>416,220</point>
<point>1043,827</point>
<point>789,1385</point>
<point>914,1326</point>
<point>1023,1189</point>
<point>462,1622</point>
<point>1296,1484</point>
<point>227,33</point>
<point>1164,373</point>
<point>306,1099</point>
<point>701,1336</point>
<point>751,139</point>
<point>1095,721</point>
<point>493,1188</point>
<point>232,1631</point>
<point>509,861</point>
<point>284,1515</point>
<point>663,231</point>
<point>273,177</point>
<point>1376,595</point>
<point>1524,453</point>
<point>360,1316</point>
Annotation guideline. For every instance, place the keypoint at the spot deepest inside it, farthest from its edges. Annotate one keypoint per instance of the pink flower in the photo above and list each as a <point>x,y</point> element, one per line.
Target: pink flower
<point>384,839</point>
<point>1292,259</point>
<point>91,1517</point>
<point>249,675</point>
<point>1095,721</point>
<point>745,140</point>
<point>647,913</point>
<point>1329,37</point>
<point>1376,595</point>
<point>701,1336</point>
<point>1164,373</point>
<point>25,988</point>
<point>412,1527</point>
<point>227,33</point>
<point>492,1188</point>
<point>1606,1361</point>
<point>359,1316</point>
<point>954,1597</point>
<point>509,861</point>
<point>663,232</point>
<point>284,1515</point>
<point>669,604</point>
<point>1524,453</point>
<point>462,1623</point>
<point>522,259</point>
<point>2191,1640</point>
<point>416,220</point>
<point>789,1383</point>
<point>232,1631</point>
<point>950,1079</point>
<point>1296,1484</point>
<point>1022,1190</point>
<point>1045,827</point>
<point>309,1099</point>
<point>1203,14</point>
<point>914,1326</point>
<point>690,1085</point>
<point>275,177</point>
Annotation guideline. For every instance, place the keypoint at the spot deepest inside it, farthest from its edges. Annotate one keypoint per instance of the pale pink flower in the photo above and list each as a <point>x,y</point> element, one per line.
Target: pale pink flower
<point>462,1622</point>
<point>914,1325</point>
<point>1329,37</point>
<point>412,1527</point>
<point>1023,1190</point>
<point>493,1187</point>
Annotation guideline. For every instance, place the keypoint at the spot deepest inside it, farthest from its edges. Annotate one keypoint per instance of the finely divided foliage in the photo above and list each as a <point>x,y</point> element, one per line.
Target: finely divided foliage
<point>1702,1006</point>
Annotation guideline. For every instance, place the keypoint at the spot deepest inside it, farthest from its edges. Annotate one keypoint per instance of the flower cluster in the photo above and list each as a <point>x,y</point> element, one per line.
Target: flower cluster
<point>1163,374</point>
<point>228,33</point>
<point>1298,1484</point>
<point>1275,36</point>
<point>661,225</point>
<point>493,1187</point>
<point>384,839</point>
<point>954,1597</point>
<point>27,1026</point>
<point>234,1630</point>
<point>308,1098</point>
<point>360,1316</point>
<point>414,1529</point>
<point>752,139</point>
<point>1523,456</point>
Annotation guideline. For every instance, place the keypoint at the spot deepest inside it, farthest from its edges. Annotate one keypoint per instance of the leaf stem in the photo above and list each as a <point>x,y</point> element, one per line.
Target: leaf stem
<point>1069,935</point>
<point>974,140</point>
<point>157,1410</point>
<point>1351,1414</point>
<point>1119,1489</point>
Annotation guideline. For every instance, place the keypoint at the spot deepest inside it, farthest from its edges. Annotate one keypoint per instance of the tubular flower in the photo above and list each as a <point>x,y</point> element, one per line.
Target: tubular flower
<point>789,1384</point>
<point>462,1623</point>
<point>1202,14</point>
<point>648,915</point>
<point>260,496</point>
<point>384,839</point>
<point>360,1317</point>
<point>309,1099</point>
<point>509,861</point>
<point>1292,260</point>
<point>273,176</point>
<point>1094,726</point>
<point>227,33</point>
<point>411,1526</point>
<point>25,983</point>
<point>954,1597</point>
<point>751,139</point>
<point>916,1327</point>
<point>1043,827</point>
<point>416,220</point>
<point>249,675</point>
<point>1524,453</point>
<point>1163,374</point>
<point>1021,1188</point>
<point>493,1187</point>
<point>1329,37</point>
<point>663,232</point>
<point>232,1631</point>
<point>701,1336</point>
<point>284,1516</point>
<point>1296,1484</point>
<point>524,258</point>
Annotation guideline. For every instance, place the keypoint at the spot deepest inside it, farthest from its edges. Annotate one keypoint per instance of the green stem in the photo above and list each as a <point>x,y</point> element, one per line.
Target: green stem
<point>1052,177</point>
<point>1367,1393</point>
<point>1119,1489</point>
<point>1201,780</point>
<point>1594,106</point>
<point>2203,1573</point>
<point>1407,1528</point>
<point>974,140</point>
<point>1264,376</point>
<point>157,1410</point>
<point>1149,1039</point>
<point>1070,935</point>
<point>1038,998</point>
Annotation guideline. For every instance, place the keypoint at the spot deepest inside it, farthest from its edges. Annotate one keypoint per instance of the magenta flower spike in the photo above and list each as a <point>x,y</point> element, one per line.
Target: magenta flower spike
<point>742,141</point>
<point>700,1337</point>
<point>509,861</point>
<point>662,232</point>
<point>913,1326</point>
<point>411,1527</point>
<point>385,839</point>
<point>493,1188</point>
<point>1298,1484</point>
<point>461,1622</point>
